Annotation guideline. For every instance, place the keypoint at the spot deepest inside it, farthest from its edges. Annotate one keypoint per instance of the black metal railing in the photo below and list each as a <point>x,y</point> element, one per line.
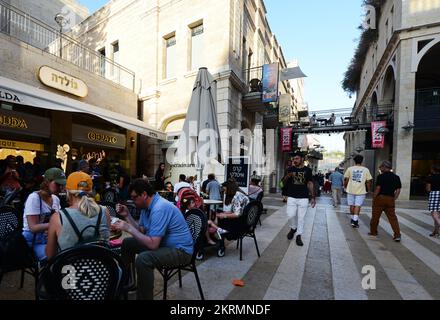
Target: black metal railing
<point>23,27</point>
<point>383,112</point>
<point>253,78</point>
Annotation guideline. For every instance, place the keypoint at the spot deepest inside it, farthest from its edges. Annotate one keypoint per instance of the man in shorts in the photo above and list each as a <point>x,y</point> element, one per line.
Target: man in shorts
<point>357,182</point>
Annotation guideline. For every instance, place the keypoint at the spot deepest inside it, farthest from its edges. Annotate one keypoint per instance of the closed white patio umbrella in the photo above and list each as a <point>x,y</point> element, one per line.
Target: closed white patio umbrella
<point>200,141</point>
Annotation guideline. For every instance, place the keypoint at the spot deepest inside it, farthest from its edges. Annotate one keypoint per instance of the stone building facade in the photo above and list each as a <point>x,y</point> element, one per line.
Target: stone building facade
<point>166,41</point>
<point>399,83</point>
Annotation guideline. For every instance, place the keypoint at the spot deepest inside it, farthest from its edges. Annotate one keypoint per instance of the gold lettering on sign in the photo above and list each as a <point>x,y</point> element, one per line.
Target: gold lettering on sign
<point>94,136</point>
<point>12,122</point>
<point>62,81</point>
<point>65,81</point>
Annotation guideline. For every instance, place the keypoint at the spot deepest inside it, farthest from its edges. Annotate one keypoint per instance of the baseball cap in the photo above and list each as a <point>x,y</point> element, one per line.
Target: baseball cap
<point>79,181</point>
<point>55,174</point>
<point>387,164</point>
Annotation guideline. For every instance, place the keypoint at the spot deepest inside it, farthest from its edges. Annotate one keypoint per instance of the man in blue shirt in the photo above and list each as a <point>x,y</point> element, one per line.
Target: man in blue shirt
<point>337,180</point>
<point>161,238</point>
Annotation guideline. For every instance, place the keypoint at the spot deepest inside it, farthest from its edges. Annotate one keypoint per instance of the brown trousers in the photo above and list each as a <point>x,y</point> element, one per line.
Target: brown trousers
<point>388,205</point>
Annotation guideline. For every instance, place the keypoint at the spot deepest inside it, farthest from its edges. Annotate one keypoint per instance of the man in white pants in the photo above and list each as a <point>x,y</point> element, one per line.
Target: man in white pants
<point>298,189</point>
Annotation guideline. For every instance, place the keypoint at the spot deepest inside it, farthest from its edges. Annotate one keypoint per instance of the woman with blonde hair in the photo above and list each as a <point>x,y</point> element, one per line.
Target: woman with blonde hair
<point>84,221</point>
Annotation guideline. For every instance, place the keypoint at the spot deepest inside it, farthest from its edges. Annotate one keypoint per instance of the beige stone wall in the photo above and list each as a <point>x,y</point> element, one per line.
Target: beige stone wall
<point>141,28</point>
<point>399,15</point>
<point>21,62</point>
<point>410,22</point>
<point>45,10</point>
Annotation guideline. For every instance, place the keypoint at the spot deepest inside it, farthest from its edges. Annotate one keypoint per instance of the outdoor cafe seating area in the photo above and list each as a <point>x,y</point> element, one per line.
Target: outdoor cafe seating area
<point>101,265</point>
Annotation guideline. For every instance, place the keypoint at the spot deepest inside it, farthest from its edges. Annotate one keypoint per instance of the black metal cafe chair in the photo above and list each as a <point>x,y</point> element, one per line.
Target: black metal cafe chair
<point>197,223</point>
<point>86,272</point>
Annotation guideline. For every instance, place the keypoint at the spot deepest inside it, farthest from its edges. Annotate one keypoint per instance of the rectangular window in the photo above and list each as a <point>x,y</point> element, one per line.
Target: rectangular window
<point>170,57</point>
<point>115,47</point>
<point>116,52</point>
<point>197,47</point>
<point>102,62</point>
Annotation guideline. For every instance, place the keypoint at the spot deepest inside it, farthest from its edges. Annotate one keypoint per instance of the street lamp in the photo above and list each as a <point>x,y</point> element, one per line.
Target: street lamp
<point>62,21</point>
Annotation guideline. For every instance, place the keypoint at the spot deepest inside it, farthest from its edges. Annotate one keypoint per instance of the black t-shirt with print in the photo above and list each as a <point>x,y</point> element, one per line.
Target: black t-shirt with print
<point>296,186</point>
<point>389,183</point>
<point>434,181</point>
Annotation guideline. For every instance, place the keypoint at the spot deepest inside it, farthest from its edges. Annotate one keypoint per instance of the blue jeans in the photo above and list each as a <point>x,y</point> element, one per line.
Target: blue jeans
<point>39,245</point>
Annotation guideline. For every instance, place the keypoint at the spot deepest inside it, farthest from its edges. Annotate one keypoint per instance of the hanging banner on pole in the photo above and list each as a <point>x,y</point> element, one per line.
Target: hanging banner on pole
<point>286,139</point>
<point>378,139</point>
<point>270,82</point>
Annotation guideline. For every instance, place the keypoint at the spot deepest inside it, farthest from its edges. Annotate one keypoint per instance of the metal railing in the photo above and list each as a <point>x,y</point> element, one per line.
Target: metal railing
<point>428,97</point>
<point>23,27</point>
<point>253,77</point>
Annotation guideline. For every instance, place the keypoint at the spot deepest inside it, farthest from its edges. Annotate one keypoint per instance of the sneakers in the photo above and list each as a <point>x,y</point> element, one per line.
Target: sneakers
<point>372,234</point>
<point>397,239</point>
<point>221,232</point>
<point>354,224</point>
<point>291,234</point>
<point>299,242</point>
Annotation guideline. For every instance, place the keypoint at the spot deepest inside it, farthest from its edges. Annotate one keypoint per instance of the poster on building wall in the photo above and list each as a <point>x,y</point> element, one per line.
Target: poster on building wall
<point>285,107</point>
<point>286,139</point>
<point>270,82</point>
<point>378,139</point>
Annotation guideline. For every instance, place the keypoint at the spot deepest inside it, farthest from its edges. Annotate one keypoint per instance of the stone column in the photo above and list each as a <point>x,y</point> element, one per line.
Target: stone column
<point>405,103</point>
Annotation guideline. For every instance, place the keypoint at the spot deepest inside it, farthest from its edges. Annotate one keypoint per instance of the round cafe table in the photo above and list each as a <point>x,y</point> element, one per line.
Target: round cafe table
<point>210,203</point>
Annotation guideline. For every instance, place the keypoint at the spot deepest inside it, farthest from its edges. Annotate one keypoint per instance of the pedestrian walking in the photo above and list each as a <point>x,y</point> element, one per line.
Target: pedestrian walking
<point>388,186</point>
<point>337,181</point>
<point>357,182</point>
<point>298,189</point>
<point>433,187</point>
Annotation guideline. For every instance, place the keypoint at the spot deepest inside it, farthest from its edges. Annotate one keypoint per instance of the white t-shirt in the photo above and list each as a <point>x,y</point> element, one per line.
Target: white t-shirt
<point>32,208</point>
<point>179,186</point>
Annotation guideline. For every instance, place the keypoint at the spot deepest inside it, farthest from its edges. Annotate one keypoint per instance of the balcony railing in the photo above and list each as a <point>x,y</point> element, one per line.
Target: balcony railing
<point>23,27</point>
<point>253,77</point>
<point>428,97</point>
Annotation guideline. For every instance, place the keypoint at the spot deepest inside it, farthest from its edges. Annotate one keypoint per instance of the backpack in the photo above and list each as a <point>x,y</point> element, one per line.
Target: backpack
<point>81,240</point>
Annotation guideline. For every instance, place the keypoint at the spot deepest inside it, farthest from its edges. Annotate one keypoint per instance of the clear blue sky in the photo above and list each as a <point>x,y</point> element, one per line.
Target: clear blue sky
<point>322,35</point>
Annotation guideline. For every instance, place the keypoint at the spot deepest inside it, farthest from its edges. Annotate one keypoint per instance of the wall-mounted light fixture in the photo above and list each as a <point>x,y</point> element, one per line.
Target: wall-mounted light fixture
<point>410,126</point>
<point>383,130</point>
<point>132,141</point>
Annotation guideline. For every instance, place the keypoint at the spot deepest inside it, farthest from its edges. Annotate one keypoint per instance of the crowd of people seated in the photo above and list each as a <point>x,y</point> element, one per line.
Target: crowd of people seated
<point>160,237</point>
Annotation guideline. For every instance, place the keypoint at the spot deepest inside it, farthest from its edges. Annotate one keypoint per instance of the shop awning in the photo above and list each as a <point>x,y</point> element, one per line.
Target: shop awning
<point>19,93</point>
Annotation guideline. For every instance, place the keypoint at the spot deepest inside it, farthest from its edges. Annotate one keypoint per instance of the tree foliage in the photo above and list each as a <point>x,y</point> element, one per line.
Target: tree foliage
<point>352,76</point>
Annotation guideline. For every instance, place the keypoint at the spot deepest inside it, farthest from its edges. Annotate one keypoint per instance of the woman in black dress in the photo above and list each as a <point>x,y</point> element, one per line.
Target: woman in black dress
<point>160,177</point>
